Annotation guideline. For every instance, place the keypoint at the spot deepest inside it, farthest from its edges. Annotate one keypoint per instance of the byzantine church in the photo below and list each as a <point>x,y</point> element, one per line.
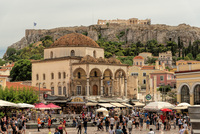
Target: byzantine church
<point>74,65</point>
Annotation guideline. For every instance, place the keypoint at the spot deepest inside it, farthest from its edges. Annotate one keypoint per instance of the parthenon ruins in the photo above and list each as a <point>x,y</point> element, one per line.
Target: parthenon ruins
<point>126,22</point>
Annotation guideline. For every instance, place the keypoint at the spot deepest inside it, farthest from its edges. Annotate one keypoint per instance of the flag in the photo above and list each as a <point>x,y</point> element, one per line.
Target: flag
<point>34,24</point>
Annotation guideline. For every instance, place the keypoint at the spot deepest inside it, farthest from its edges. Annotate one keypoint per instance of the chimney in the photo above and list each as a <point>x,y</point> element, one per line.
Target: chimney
<point>157,65</point>
<point>163,66</point>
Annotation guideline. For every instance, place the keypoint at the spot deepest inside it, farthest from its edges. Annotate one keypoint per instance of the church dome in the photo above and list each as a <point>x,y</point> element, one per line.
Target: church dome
<point>74,40</point>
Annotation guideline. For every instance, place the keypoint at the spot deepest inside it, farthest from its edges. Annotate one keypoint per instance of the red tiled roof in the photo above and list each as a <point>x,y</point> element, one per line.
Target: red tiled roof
<point>187,71</point>
<point>148,68</point>
<point>10,65</point>
<point>4,75</point>
<point>138,57</point>
<point>20,85</point>
<point>4,69</point>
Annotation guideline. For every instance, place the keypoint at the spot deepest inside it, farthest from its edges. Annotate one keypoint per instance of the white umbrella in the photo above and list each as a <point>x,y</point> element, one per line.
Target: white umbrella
<point>156,106</point>
<point>184,104</point>
<point>25,105</point>
<point>7,104</point>
<point>103,110</point>
<point>179,108</point>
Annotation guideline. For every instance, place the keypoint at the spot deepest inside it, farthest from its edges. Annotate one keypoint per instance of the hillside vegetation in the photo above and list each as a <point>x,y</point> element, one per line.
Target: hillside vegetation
<point>112,48</point>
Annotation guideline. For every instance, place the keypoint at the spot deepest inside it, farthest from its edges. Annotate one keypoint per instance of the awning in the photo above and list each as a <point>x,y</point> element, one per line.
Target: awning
<point>128,105</point>
<point>105,105</point>
<point>179,108</point>
<point>118,105</point>
<point>91,104</point>
<point>138,104</point>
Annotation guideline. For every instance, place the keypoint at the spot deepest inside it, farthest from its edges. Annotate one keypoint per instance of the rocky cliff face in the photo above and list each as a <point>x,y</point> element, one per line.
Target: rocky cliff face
<point>115,32</point>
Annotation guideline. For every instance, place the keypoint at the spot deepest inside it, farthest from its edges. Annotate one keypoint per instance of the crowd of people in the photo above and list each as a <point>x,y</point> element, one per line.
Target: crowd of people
<point>113,123</point>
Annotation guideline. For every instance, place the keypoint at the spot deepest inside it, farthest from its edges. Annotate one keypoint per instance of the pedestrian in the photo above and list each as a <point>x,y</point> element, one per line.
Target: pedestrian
<point>118,130</point>
<point>49,124</point>
<point>60,127</point>
<point>180,122</point>
<point>10,131</point>
<point>124,130</point>
<point>24,126</point>
<point>85,125</point>
<point>56,131</point>
<point>4,128</point>
<point>130,125</point>
<point>107,122</point>
<point>112,121</point>
<point>39,123</point>
<point>79,126</point>
<point>111,131</point>
<point>182,129</point>
<point>14,128</point>
<point>147,122</point>
<point>141,119</point>
<point>151,131</point>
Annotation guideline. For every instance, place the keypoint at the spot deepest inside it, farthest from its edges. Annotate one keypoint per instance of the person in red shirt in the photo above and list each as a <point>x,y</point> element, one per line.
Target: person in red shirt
<point>49,124</point>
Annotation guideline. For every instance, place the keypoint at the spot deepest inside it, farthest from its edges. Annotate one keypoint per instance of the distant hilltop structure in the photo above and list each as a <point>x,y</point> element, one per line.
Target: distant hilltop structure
<point>131,21</point>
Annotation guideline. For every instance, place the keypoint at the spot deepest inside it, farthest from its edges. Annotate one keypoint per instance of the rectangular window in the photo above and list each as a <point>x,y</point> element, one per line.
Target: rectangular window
<point>133,74</point>
<point>161,78</point>
<point>52,90</point>
<point>64,90</point>
<point>59,90</point>
<point>78,90</point>
<point>144,74</point>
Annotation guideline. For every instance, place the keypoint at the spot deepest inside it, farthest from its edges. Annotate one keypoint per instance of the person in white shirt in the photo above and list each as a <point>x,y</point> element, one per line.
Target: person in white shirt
<point>180,123</point>
<point>111,131</point>
<point>185,126</point>
<point>112,121</point>
<point>129,126</point>
<point>151,131</point>
<point>182,130</point>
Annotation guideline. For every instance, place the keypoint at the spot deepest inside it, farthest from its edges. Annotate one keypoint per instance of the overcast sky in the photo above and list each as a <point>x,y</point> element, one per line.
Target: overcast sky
<point>18,15</point>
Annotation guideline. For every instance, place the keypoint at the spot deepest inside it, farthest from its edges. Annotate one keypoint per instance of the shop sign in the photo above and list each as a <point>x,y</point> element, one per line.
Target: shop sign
<point>148,97</point>
<point>77,99</point>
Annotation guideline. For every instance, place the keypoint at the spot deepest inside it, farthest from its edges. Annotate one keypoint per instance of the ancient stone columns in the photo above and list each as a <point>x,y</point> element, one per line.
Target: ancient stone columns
<point>88,87</point>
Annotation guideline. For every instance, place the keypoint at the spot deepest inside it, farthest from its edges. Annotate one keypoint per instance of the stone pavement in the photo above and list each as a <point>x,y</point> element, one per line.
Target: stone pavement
<point>93,130</point>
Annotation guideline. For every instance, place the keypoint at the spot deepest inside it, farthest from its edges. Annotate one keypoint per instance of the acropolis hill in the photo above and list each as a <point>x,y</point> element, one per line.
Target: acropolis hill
<point>117,32</point>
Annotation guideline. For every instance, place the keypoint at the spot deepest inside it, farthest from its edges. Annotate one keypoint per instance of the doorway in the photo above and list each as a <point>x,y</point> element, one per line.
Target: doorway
<point>95,90</point>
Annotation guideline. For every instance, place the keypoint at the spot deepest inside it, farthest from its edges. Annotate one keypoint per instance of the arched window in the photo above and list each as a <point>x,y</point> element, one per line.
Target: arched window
<point>64,75</point>
<point>43,76</point>
<point>52,76</point>
<point>51,55</point>
<point>78,90</point>
<point>52,90</point>
<point>79,75</point>
<point>95,73</point>
<point>185,95</point>
<point>44,85</point>
<point>59,75</point>
<point>72,53</point>
<point>94,54</point>
<point>64,90</point>
<point>59,90</point>
<point>37,77</point>
<point>197,95</point>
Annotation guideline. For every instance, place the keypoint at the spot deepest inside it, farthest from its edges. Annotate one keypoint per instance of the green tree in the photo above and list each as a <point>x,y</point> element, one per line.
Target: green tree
<point>151,60</point>
<point>10,51</point>
<point>166,89</point>
<point>21,70</point>
<point>186,58</point>
<point>190,56</point>
<point>2,62</point>
<point>25,95</point>
<point>198,57</point>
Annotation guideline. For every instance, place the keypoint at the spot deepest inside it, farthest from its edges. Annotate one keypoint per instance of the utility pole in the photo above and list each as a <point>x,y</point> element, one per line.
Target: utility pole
<point>39,92</point>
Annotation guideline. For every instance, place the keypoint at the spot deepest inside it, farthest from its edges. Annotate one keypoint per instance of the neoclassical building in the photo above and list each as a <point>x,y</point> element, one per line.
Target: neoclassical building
<point>74,65</point>
<point>188,83</point>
